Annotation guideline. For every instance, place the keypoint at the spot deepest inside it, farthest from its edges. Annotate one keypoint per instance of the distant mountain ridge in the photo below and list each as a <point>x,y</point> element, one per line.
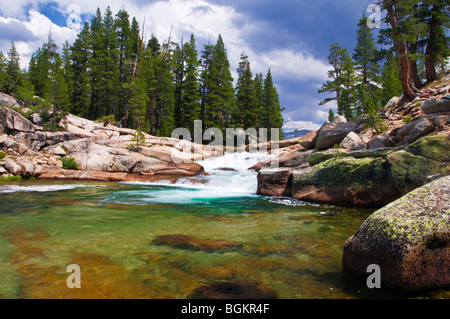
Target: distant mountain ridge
<point>288,134</point>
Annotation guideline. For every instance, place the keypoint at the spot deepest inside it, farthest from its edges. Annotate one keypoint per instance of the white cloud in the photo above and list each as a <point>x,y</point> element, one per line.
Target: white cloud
<point>200,17</point>
<point>39,26</point>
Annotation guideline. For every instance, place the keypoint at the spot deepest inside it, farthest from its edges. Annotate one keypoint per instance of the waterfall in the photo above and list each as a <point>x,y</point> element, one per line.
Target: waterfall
<point>228,177</point>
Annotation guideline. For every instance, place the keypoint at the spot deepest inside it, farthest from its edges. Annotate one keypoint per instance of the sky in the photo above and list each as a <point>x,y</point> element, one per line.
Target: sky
<point>290,37</point>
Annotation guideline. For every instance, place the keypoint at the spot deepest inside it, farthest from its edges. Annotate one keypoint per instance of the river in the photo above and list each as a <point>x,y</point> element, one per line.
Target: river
<point>113,231</point>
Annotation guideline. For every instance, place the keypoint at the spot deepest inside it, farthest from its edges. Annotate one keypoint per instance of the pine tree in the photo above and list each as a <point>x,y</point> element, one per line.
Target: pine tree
<point>390,80</point>
<point>139,100</point>
<point>97,84</point>
<point>437,49</point>
<point>191,91</point>
<point>272,109</point>
<point>59,92</point>
<point>3,75</point>
<point>348,100</point>
<point>258,84</point>
<point>204,78</point>
<point>331,116</point>
<point>161,108</point>
<point>246,99</point>
<point>81,53</point>
<point>123,35</point>
<point>343,81</point>
<point>365,58</point>
<point>104,66</point>
<point>13,72</point>
<point>404,28</point>
<point>68,71</point>
<point>335,58</point>
<point>178,70</point>
<point>219,89</point>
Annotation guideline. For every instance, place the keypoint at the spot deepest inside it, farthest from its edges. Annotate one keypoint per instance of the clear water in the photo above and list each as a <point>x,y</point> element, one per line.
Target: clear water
<point>109,230</point>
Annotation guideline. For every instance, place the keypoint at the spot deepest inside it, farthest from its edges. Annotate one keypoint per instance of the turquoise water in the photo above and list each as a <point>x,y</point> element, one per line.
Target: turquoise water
<point>113,231</point>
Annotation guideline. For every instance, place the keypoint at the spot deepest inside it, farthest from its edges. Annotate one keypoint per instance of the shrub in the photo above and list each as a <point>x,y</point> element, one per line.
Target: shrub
<point>109,119</point>
<point>138,140</point>
<point>407,119</point>
<point>2,155</point>
<point>69,163</point>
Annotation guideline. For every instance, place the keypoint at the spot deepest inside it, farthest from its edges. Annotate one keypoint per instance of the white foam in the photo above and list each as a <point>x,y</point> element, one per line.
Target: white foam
<point>220,184</point>
<point>4,189</point>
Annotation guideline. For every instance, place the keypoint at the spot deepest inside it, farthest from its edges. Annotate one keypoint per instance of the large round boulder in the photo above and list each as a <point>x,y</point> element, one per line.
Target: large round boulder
<point>408,239</point>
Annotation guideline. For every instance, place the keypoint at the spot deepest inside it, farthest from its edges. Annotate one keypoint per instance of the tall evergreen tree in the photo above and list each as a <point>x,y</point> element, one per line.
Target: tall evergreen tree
<point>160,112</point>
<point>220,92</point>
<point>365,59</point>
<point>178,75</point>
<point>191,90</point>
<point>343,80</point>
<point>59,92</point>
<point>123,35</point>
<point>404,28</point>
<point>81,53</point>
<point>272,109</point>
<point>3,76</point>
<point>258,84</point>
<point>437,18</point>
<point>348,102</point>
<point>246,98</point>
<point>390,80</point>
<point>13,72</point>
<point>206,58</point>
<point>104,65</point>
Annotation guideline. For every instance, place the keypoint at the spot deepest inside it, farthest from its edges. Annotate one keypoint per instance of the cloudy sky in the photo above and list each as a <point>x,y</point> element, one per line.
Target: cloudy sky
<point>291,37</point>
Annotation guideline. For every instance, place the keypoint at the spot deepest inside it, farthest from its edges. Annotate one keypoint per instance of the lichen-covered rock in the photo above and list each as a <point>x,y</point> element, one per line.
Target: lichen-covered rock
<point>346,181</point>
<point>409,239</point>
<point>369,177</point>
<point>412,131</point>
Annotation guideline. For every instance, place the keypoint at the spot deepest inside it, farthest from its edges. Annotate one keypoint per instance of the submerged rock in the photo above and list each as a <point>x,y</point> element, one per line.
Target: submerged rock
<point>194,243</point>
<point>409,239</point>
<point>246,289</point>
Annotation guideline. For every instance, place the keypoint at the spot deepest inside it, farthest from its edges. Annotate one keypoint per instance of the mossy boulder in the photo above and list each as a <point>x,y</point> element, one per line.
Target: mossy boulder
<point>409,239</point>
<point>346,181</point>
<point>371,178</point>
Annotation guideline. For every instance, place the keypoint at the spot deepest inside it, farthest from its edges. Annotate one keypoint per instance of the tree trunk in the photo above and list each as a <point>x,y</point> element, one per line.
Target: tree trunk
<point>415,75</point>
<point>402,51</point>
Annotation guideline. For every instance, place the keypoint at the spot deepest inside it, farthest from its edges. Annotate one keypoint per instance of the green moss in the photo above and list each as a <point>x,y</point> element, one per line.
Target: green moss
<point>346,171</point>
<point>409,169</point>
<point>2,155</point>
<point>433,147</point>
<point>10,178</point>
<point>65,149</point>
